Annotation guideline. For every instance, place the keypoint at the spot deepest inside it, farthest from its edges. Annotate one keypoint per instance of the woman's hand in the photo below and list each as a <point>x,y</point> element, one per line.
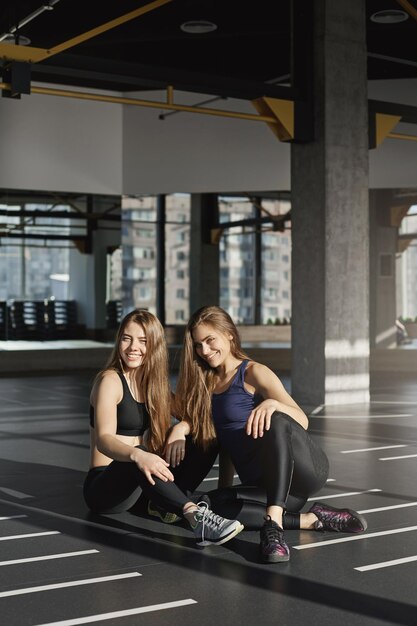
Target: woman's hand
<point>260,418</point>
<point>152,465</point>
<point>175,444</point>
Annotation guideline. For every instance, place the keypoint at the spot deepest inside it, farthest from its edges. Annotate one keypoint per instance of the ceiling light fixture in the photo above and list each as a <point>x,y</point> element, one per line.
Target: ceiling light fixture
<point>389,16</point>
<point>14,29</point>
<point>19,40</point>
<point>198,27</point>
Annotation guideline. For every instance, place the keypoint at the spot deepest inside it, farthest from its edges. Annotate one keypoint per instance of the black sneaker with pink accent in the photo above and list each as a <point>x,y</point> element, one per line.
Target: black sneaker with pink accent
<point>338,520</point>
<point>273,548</point>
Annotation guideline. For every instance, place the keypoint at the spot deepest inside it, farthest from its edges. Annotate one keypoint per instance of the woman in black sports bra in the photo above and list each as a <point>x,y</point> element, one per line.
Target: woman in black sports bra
<point>223,394</point>
<point>131,398</point>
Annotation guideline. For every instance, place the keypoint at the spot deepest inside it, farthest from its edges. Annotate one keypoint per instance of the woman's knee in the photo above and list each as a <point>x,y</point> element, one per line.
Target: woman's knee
<point>280,425</point>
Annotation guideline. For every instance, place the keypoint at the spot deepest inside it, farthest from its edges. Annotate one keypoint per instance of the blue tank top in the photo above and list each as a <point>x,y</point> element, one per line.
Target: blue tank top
<point>132,417</point>
<point>230,411</point>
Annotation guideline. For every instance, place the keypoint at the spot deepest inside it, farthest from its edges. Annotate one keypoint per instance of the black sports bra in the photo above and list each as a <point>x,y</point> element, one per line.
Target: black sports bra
<point>132,416</point>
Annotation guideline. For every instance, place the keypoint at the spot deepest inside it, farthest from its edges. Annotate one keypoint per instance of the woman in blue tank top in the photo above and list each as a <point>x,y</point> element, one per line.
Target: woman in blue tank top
<point>222,393</point>
<point>131,396</point>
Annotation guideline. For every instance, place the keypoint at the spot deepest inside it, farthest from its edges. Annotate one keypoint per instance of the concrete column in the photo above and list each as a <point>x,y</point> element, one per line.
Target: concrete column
<point>330,222</point>
<point>204,255</point>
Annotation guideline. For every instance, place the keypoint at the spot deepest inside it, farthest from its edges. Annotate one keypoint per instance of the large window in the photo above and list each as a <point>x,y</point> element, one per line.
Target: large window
<point>139,252</point>
<point>237,250</point>
<point>33,265</point>
<point>276,267</point>
<point>177,258</point>
<point>142,217</point>
<point>407,277</point>
<point>255,261</point>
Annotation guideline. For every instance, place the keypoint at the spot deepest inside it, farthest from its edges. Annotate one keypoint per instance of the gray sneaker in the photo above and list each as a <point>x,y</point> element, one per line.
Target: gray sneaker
<point>211,528</point>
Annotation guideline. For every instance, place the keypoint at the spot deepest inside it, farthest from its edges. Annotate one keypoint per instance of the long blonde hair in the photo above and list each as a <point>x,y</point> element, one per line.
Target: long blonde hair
<point>196,380</point>
<point>154,381</point>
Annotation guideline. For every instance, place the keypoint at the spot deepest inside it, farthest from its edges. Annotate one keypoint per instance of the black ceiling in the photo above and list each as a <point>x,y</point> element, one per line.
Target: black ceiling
<point>247,56</point>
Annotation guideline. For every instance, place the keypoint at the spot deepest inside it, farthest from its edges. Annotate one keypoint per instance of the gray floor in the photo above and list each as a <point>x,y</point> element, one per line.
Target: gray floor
<point>59,565</point>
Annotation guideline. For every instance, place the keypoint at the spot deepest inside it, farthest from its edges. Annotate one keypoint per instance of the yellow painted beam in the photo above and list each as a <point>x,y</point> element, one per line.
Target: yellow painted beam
<point>27,54</point>
<point>404,242</point>
<point>397,213</point>
<point>11,52</point>
<point>384,125</point>
<point>82,95</point>
<point>283,113</point>
<point>402,136</point>
<point>409,8</point>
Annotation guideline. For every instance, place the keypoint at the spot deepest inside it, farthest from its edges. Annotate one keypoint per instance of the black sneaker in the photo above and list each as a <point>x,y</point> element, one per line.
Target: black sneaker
<point>273,548</point>
<point>338,520</point>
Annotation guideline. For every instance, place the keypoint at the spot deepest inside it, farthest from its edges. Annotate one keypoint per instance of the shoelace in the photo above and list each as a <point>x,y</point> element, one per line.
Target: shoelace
<point>273,534</point>
<point>334,521</point>
<point>207,517</point>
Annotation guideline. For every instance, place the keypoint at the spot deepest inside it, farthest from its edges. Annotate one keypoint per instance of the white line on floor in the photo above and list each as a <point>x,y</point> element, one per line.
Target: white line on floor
<point>329,542</point>
<point>27,535</point>
<point>104,616</point>
<point>401,445</point>
<point>392,402</point>
<point>388,508</point>
<point>33,409</point>
<point>217,478</point>
<point>15,494</point>
<point>48,557</point>
<point>368,568</point>
<point>11,517</point>
<point>361,417</point>
<point>395,458</point>
<point>72,583</point>
<point>45,417</point>
<point>331,480</point>
<point>317,409</point>
<point>342,495</point>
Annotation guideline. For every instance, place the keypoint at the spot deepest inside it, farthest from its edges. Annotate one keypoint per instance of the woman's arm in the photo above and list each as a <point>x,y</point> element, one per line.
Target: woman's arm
<point>174,451</point>
<point>268,385</point>
<point>105,396</point>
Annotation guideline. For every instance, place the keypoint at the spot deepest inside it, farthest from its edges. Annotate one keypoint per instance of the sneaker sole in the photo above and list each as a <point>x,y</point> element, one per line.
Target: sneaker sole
<point>354,514</point>
<point>167,520</point>
<point>274,558</point>
<point>234,532</point>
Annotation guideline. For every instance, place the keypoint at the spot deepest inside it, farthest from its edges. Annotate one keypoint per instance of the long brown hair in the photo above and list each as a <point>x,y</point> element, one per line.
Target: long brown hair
<point>196,379</point>
<point>154,381</point>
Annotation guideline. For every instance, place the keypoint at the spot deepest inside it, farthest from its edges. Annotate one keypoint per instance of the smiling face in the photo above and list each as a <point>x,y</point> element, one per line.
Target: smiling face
<point>132,346</point>
<point>211,345</point>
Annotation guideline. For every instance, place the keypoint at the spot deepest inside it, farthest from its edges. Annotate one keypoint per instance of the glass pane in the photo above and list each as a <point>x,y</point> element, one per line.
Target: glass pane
<point>177,258</point>
<point>276,277</point>
<point>114,275</point>
<point>407,264</point>
<point>11,270</point>
<point>139,252</point>
<point>237,246</point>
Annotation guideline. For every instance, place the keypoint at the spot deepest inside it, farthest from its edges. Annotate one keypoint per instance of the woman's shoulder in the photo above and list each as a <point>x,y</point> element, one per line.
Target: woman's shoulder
<point>256,372</point>
<point>107,381</point>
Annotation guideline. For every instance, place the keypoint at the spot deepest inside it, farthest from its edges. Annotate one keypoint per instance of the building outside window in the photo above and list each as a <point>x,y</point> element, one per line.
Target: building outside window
<point>237,262</point>
<point>139,254</point>
<point>177,258</point>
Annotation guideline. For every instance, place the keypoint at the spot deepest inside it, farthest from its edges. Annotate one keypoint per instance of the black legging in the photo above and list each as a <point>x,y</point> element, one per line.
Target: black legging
<point>292,468</point>
<point>117,487</point>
